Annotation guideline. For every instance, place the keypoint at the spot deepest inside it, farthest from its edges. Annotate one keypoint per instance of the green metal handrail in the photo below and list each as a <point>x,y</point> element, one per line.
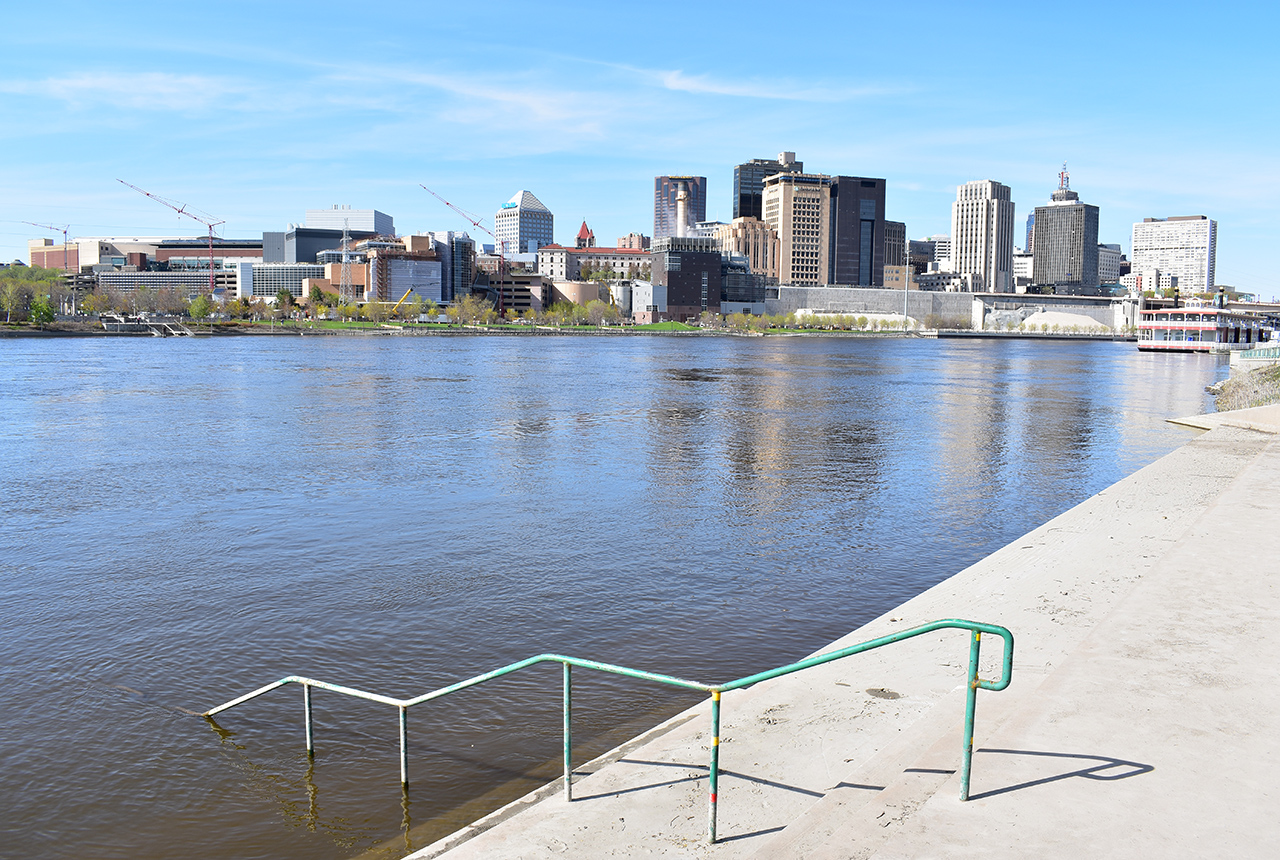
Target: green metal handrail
<point>402,705</point>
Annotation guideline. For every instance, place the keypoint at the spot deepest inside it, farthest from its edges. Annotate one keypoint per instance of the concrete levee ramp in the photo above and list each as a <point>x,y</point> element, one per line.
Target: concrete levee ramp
<point>1140,720</point>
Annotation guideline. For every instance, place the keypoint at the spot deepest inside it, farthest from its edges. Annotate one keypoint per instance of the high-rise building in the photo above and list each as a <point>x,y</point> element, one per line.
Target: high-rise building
<point>753,239</point>
<point>857,233</point>
<point>982,235</point>
<point>1065,243</point>
<point>1184,246</point>
<point>941,251</point>
<point>666,200</point>
<point>1031,227</point>
<point>748,182</point>
<point>523,225</point>
<point>895,243</point>
<point>797,206</point>
<point>920,254</point>
<point>1109,259</point>
<point>456,252</point>
<point>355,220</point>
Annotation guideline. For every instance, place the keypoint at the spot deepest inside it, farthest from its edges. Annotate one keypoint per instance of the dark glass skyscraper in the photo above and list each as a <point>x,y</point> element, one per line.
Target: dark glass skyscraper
<point>748,182</point>
<point>857,231</point>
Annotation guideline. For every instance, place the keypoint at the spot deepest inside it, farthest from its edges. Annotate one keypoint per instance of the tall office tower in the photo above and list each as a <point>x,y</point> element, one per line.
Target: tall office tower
<point>748,182</point>
<point>1031,226</point>
<point>1184,245</point>
<point>356,220</point>
<point>895,243</point>
<point>457,252</point>
<point>1065,242</point>
<point>857,232</point>
<point>982,235</point>
<point>666,190</point>
<point>798,208</point>
<point>523,225</point>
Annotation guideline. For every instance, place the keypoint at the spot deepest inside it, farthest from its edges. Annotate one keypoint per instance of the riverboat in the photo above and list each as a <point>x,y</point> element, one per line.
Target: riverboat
<point>1200,329</point>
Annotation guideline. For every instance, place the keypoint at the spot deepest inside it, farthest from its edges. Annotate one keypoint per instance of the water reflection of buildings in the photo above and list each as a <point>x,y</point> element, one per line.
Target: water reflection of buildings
<point>759,430</point>
<point>1020,424</point>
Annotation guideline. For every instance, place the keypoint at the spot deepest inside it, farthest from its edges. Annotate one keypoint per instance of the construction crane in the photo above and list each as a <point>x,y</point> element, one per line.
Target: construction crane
<point>63,230</point>
<point>183,209</point>
<point>406,295</point>
<point>65,260</point>
<point>475,222</point>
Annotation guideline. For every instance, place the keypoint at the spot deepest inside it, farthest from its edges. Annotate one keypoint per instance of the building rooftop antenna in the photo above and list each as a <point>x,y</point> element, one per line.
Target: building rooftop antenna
<point>1064,179</point>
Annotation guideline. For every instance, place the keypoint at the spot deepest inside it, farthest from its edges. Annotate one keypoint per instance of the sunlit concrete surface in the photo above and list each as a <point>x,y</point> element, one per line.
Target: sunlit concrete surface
<point>1140,722</point>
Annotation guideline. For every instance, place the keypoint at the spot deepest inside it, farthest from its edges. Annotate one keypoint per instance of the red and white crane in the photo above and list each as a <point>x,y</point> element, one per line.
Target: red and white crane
<point>184,209</point>
<point>475,222</point>
<point>63,230</point>
<point>65,261</point>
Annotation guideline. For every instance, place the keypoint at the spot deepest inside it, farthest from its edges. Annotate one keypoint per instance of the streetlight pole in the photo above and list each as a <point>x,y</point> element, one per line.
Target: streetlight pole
<point>906,278</point>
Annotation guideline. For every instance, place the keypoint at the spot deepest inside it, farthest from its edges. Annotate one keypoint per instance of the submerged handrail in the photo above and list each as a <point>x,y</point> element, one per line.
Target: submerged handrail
<point>975,683</point>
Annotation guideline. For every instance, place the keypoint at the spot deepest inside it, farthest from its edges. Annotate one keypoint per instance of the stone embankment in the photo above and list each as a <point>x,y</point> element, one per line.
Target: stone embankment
<point>1141,720</point>
<point>1257,387</point>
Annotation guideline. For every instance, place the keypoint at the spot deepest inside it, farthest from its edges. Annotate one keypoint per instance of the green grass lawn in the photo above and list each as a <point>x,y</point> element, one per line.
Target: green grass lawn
<point>670,325</point>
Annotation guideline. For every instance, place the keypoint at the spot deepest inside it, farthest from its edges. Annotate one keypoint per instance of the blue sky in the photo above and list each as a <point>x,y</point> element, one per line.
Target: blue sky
<point>256,112</point>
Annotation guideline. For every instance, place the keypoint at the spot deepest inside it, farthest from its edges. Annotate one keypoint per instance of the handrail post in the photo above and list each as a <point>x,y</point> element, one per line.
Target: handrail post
<point>306,704</point>
<point>404,747</point>
<point>714,769</point>
<point>970,705</point>
<point>568,732</point>
<point>975,683</point>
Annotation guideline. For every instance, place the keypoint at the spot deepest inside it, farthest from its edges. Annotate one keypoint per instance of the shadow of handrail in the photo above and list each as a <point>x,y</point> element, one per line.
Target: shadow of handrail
<point>1096,772</point>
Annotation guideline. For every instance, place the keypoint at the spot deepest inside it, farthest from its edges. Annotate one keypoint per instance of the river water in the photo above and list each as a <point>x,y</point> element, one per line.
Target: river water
<point>185,520</point>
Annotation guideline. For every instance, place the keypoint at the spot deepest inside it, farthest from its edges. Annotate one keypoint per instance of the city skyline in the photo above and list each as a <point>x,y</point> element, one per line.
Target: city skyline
<point>281,116</point>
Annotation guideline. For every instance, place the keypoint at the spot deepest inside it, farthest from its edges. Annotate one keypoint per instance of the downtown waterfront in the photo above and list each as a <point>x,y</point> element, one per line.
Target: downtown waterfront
<point>185,520</point>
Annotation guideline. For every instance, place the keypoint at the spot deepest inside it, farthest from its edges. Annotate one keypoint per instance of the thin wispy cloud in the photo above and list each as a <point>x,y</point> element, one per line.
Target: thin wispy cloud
<point>143,91</point>
<point>756,88</point>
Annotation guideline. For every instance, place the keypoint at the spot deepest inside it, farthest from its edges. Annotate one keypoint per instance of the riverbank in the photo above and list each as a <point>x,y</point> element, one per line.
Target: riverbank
<point>290,329</point>
<point>1257,387</point>
<point>1134,724</point>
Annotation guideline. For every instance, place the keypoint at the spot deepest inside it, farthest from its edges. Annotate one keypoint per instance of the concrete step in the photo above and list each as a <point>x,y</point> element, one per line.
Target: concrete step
<point>876,796</point>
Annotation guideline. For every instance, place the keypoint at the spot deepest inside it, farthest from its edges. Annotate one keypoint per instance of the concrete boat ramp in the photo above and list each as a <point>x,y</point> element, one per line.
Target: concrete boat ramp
<point>1143,718</point>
